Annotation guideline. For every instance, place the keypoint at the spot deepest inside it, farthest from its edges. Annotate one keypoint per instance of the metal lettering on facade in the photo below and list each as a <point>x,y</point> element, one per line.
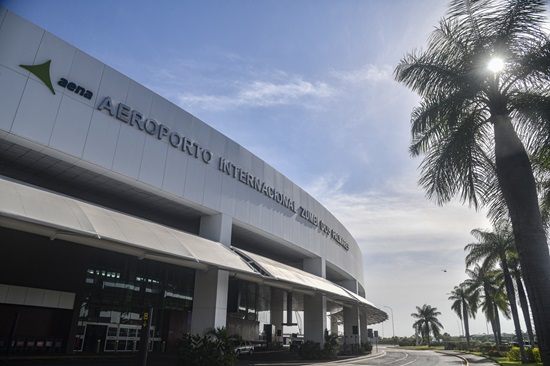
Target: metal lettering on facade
<point>150,126</point>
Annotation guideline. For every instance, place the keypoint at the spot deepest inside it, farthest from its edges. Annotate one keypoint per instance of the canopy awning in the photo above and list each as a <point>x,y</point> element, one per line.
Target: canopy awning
<point>276,273</point>
<point>56,216</point>
<point>59,217</point>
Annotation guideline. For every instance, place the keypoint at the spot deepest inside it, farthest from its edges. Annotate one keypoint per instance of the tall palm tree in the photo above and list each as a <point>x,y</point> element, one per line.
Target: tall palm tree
<point>427,322</point>
<point>515,271</point>
<point>470,120</point>
<point>465,304</point>
<point>492,297</point>
<point>494,248</point>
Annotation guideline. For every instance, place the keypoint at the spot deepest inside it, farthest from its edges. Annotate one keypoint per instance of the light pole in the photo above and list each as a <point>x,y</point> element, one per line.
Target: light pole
<point>392,324</point>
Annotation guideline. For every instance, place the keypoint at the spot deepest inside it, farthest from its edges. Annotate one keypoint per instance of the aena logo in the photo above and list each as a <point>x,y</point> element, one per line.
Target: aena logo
<point>42,72</point>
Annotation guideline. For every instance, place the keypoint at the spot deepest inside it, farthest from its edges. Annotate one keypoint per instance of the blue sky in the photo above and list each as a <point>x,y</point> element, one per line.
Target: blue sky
<point>307,86</point>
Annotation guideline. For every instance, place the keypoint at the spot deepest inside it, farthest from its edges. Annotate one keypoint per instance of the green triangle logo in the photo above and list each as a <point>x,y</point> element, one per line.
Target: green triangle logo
<point>42,72</point>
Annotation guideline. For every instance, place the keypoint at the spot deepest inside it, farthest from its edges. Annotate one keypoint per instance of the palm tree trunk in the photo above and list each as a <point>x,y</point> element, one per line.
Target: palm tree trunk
<point>513,306</point>
<point>497,324</point>
<point>525,310</point>
<point>494,328</point>
<point>466,326</point>
<point>517,183</point>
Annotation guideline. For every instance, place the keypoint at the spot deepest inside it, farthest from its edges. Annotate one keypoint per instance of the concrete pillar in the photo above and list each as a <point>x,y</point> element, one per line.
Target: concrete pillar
<point>276,311</point>
<point>363,335</point>
<point>351,324</point>
<point>210,300</point>
<point>333,324</point>
<point>211,287</point>
<point>316,266</point>
<point>216,228</point>
<point>315,318</point>
<point>351,316</point>
<point>315,307</point>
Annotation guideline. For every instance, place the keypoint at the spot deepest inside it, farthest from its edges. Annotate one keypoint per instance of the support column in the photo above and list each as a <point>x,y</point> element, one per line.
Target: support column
<point>276,311</point>
<point>363,338</point>
<point>351,325</point>
<point>211,287</point>
<point>217,228</point>
<point>315,318</point>
<point>333,324</point>
<point>316,266</point>
<point>210,300</point>
<point>315,307</point>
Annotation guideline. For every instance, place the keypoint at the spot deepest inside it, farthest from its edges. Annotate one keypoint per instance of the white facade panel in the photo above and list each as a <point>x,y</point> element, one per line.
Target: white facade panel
<point>37,112</point>
<point>71,127</point>
<point>66,300</point>
<point>62,55</point>
<point>174,172</point>
<point>153,162</point>
<point>11,88</point>
<point>86,72</point>
<point>212,189</point>
<point>16,295</point>
<point>114,85</point>
<point>140,98</point>
<point>129,150</point>
<point>102,139</point>
<point>194,179</point>
<point>35,297</point>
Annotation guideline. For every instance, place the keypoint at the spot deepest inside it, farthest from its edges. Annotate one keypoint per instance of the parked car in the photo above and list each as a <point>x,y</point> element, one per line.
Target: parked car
<point>245,347</point>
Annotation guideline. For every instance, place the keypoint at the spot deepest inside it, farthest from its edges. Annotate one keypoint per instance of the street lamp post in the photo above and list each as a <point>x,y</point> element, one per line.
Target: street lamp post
<point>392,324</point>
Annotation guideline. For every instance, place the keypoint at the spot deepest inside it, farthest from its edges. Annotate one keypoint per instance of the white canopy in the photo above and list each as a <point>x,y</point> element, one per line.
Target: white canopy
<point>34,210</point>
<point>302,281</point>
<point>50,214</point>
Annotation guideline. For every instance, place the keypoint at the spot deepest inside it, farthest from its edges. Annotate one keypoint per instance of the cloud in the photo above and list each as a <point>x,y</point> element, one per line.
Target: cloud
<point>397,217</point>
<point>260,93</point>
<point>367,73</point>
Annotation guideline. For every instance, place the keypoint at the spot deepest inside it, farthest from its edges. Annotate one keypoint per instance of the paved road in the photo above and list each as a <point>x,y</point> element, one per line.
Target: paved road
<point>396,357</point>
<point>384,357</point>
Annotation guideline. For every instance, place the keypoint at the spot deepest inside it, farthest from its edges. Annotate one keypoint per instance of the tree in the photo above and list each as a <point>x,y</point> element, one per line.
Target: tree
<point>470,120</point>
<point>427,322</point>
<point>492,297</point>
<point>495,248</point>
<point>515,271</point>
<point>465,305</point>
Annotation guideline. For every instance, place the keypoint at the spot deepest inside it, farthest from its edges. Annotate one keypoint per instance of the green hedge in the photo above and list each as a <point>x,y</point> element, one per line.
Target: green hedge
<point>532,354</point>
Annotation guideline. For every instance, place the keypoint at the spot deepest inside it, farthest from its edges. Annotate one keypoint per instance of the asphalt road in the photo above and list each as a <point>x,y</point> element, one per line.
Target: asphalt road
<point>384,357</point>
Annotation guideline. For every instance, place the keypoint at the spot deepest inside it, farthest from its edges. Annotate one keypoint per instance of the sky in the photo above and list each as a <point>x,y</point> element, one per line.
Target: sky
<point>307,86</point>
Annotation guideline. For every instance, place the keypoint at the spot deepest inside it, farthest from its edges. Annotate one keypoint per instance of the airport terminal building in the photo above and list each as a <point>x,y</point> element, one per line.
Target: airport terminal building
<point>113,201</point>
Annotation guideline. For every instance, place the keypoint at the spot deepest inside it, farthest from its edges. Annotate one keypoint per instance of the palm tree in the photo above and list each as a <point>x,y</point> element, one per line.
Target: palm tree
<point>494,248</point>
<point>515,271</point>
<point>465,305</point>
<point>469,121</point>
<point>427,322</point>
<point>492,297</point>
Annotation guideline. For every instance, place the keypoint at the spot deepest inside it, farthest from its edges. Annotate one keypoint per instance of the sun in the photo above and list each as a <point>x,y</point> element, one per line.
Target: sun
<point>496,64</point>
